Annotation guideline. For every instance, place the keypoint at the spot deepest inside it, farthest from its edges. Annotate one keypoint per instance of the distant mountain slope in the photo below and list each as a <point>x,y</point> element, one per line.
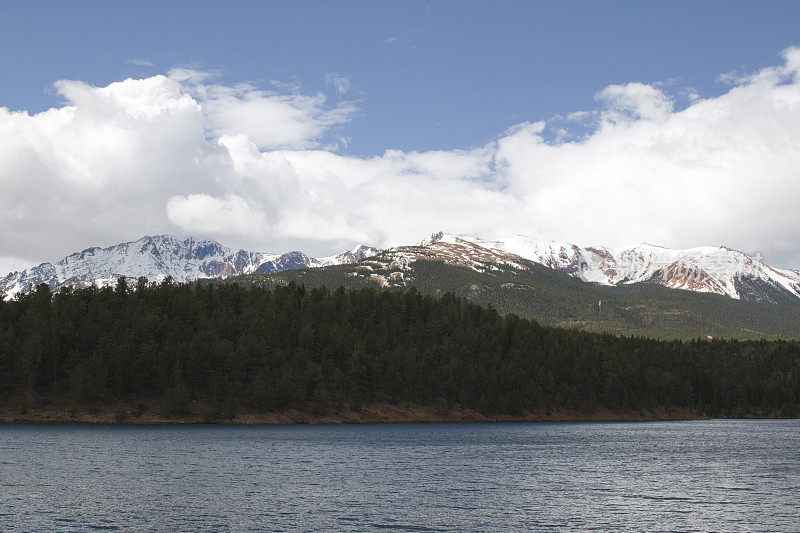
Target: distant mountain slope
<point>159,256</point>
<point>555,298</point>
<point>714,270</point>
<point>711,269</point>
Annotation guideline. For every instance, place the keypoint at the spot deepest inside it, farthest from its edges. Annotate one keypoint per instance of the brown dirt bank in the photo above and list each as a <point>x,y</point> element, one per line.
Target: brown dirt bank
<point>372,414</point>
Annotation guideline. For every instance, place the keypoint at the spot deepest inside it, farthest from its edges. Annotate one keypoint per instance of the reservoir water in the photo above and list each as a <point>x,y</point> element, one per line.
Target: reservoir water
<point>717,475</point>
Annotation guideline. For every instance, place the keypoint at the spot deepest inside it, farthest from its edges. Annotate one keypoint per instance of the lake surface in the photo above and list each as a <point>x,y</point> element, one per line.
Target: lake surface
<point>702,475</point>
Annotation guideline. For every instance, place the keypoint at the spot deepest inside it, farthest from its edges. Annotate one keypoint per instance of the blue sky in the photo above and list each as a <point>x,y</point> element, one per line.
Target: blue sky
<point>426,75</point>
<point>317,126</point>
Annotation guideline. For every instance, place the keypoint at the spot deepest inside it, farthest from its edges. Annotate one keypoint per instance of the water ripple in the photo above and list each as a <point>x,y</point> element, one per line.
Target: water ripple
<point>674,476</point>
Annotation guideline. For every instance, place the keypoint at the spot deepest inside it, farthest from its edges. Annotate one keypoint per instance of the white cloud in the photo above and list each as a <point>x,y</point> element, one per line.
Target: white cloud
<point>180,154</point>
<point>342,84</point>
<point>634,101</point>
<point>14,264</point>
<point>191,75</point>
<point>141,63</point>
<point>202,213</point>
<point>292,86</point>
<point>271,120</point>
<point>405,39</point>
<point>579,116</point>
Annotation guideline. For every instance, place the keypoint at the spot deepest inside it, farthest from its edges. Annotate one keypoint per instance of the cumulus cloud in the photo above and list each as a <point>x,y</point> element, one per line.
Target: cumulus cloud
<point>230,214</point>
<point>270,120</point>
<point>634,101</point>
<point>100,167</point>
<point>179,153</point>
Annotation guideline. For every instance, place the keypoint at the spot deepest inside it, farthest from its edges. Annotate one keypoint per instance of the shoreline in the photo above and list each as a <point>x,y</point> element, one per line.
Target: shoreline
<point>373,414</point>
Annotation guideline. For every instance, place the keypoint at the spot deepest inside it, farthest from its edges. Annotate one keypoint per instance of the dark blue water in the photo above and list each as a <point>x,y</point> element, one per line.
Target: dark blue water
<point>706,475</point>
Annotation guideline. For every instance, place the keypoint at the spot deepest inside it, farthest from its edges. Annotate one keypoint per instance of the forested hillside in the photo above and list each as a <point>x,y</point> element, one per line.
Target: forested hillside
<point>233,348</point>
<point>556,299</point>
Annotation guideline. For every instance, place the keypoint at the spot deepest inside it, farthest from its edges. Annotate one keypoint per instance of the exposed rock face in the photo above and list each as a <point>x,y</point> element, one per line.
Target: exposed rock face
<point>712,269</point>
<point>158,257</point>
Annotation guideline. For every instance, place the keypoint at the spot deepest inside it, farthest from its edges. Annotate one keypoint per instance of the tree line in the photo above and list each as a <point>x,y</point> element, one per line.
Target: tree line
<point>256,349</point>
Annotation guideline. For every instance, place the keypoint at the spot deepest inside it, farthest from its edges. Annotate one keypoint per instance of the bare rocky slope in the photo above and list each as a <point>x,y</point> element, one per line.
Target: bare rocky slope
<point>711,269</point>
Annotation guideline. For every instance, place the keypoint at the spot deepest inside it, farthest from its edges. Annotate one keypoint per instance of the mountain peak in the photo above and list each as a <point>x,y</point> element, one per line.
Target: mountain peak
<point>157,257</point>
<point>712,269</point>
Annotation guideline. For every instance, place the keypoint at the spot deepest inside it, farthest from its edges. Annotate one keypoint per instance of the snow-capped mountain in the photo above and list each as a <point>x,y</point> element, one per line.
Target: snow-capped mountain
<point>712,269</point>
<point>156,257</point>
<point>356,255</point>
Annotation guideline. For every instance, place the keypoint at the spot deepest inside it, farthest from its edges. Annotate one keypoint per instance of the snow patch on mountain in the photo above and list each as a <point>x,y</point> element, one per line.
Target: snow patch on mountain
<point>356,255</point>
<point>160,256</point>
<point>711,269</point>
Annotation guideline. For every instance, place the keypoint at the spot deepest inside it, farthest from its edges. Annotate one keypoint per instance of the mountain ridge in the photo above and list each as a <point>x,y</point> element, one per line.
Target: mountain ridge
<point>707,269</point>
<point>157,257</point>
<point>556,299</point>
<point>713,269</point>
